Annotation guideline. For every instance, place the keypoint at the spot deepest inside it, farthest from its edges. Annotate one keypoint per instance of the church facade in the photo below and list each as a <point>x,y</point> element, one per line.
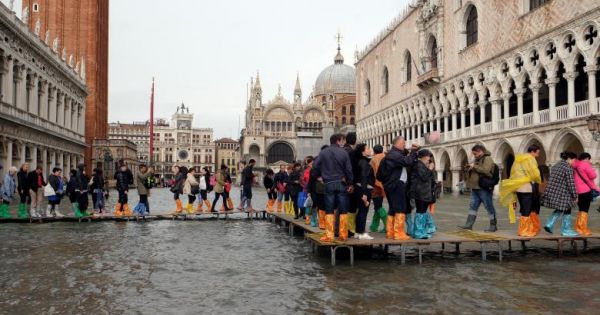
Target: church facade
<point>505,74</point>
<point>283,131</point>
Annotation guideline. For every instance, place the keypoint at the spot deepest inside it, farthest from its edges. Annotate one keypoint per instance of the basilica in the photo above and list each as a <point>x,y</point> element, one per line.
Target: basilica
<point>282,131</point>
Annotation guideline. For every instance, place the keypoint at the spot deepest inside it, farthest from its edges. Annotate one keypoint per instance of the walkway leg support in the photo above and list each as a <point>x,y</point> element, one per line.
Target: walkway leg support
<point>403,254</point>
<point>483,253</point>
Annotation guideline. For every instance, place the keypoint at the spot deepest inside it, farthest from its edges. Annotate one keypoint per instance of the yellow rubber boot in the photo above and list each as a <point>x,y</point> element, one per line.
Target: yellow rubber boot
<point>535,223</point>
<point>526,227</point>
<point>279,206</point>
<point>329,224</point>
<point>189,208</point>
<point>399,231</point>
<point>179,206</point>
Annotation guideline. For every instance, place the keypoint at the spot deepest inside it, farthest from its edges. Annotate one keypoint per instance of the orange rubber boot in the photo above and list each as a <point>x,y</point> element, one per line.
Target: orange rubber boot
<point>389,227</point>
<point>526,228</point>
<point>399,231</point>
<point>229,203</point>
<point>179,206</point>
<point>322,219</point>
<point>279,206</point>
<point>200,204</point>
<point>343,236</point>
<point>535,223</point>
<point>329,223</point>
<point>208,205</point>
<point>581,224</point>
<point>127,212</point>
<point>118,211</point>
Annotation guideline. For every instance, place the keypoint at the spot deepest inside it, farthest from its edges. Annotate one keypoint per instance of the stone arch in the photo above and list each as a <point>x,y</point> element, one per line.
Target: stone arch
<point>279,106</point>
<point>313,108</point>
<point>444,164</point>
<point>568,47</point>
<point>504,156</point>
<point>461,159</point>
<point>566,139</point>
<point>280,151</point>
<point>254,152</point>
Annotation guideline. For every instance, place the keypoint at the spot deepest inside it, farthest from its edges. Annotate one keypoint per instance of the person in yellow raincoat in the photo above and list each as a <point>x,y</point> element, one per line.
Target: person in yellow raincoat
<point>523,186</point>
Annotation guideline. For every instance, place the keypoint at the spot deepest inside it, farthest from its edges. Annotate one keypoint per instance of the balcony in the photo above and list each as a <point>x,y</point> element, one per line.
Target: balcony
<point>428,78</point>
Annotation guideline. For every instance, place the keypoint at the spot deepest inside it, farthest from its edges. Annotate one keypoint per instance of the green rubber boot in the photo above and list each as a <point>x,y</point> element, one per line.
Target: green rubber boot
<point>383,215</point>
<point>4,212</point>
<point>375,222</point>
<point>76,210</point>
<point>22,212</point>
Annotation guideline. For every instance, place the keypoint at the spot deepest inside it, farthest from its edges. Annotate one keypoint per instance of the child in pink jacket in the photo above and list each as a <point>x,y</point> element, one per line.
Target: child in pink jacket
<point>585,181</point>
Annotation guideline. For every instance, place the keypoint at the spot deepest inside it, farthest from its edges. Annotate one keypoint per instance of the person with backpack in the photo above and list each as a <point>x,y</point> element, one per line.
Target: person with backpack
<point>269,184</point>
<point>143,182</point>
<point>191,188</point>
<point>561,194</point>
<point>483,175</point>
<point>7,192</point>
<point>364,185</point>
<point>295,188</point>
<point>247,182</point>
<point>523,186</point>
<point>421,191</point>
<point>177,187</point>
<point>205,187</point>
<point>393,173</point>
<point>220,178</point>
<point>378,194</point>
<point>56,183</point>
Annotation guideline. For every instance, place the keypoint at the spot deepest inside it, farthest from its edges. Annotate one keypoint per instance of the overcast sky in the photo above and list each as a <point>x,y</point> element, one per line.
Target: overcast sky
<point>204,52</point>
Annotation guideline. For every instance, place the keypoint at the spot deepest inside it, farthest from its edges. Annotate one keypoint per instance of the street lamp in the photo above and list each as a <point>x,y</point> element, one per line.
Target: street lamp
<point>593,123</point>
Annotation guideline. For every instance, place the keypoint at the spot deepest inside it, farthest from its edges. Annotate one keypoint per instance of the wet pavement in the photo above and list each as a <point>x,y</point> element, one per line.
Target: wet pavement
<point>254,267</point>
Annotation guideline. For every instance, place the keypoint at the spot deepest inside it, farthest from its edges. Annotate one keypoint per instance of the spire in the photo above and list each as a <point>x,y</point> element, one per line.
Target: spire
<point>257,82</point>
<point>297,89</point>
<point>297,92</point>
<point>339,59</point>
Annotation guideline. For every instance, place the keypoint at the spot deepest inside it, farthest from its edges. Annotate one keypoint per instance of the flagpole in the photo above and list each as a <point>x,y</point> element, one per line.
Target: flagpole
<point>151,157</point>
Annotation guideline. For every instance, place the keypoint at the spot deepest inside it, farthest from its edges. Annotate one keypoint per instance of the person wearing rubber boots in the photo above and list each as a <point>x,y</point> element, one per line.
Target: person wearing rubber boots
<point>393,173</point>
<point>280,182</point>
<point>335,170</point>
<point>23,190</point>
<point>561,194</point>
<point>7,192</point>
<point>123,178</point>
<point>421,191</point>
<point>378,194</point>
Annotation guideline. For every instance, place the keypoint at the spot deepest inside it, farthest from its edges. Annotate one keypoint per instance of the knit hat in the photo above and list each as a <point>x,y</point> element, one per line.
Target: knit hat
<point>424,153</point>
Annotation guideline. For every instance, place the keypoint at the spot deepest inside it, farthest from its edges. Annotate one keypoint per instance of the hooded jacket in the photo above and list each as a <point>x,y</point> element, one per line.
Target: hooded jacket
<point>585,177</point>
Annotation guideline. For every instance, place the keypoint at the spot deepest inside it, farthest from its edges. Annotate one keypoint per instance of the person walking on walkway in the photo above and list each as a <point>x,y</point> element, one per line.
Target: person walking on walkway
<point>378,194</point>
<point>123,178</point>
<point>97,188</point>
<point>482,166</point>
<point>7,192</point>
<point>365,184</point>
<point>220,177</point>
<point>280,182</point>
<point>335,170</point>
<point>191,188</point>
<point>393,173</point>
<point>523,185</point>
<point>36,183</point>
<point>23,190</point>
<point>58,189</point>
<point>421,191</point>
<point>317,192</point>
<point>585,184</point>
<point>143,182</point>
<point>247,182</point>
<point>561,194</point>
<point>269,184</point>
<point>204,183</point>
<point>177,188</point>
<point>295,188</point>
<point>73,193</point>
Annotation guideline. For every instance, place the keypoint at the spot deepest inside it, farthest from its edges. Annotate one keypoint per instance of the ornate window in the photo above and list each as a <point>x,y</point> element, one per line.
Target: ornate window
<point>407,66</point>
<point>344,110</point>
<point>472,26</point>
<point>385,81</point>
<point>433,56</point>
<point>534,4</point>
<point>352,110</point>
<point>343,120</point>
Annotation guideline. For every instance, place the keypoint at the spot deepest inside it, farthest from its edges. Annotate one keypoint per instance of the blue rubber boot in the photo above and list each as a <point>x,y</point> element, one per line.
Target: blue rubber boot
<point>314,221</point>
<point>410,225</point>
<point>430,226</point>
<point>549,226</point>
<point>566,228</point>
<point>420,226</point>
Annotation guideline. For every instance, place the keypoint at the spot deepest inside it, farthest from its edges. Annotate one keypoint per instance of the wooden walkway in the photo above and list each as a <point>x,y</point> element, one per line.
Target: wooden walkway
<point>486,241</point>
<point>257,214</point>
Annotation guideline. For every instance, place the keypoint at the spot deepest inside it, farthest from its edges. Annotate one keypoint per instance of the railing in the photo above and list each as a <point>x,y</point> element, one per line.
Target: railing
<point>562,112</point>
<point>487,127</point>
<point>467,132</point>
<point>544,116</point>
<point>500,125</point>
<point>477,130</point>
<point>513,122</point>
<point>582,108</point>
<point>528,119</point>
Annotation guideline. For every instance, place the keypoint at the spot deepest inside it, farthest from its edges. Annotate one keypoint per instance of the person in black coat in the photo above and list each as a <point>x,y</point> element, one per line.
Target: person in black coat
<point>421,191</point>
<point>84,182</point>
<point>269,183</point>
<point>123,178</point>
<point>97,190</point>
<point>36,183</point>
<point>293,184</point>
<point>23,190</point>
<point>364,183</point>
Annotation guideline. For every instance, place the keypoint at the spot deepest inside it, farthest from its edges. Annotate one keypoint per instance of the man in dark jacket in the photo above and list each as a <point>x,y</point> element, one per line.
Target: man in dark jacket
<point>247,181</point>
<point>335,169</point>
<point>36,183</point>
<point>123,178</point>
<point>84,182</point>
<point>23,190</point>
<point>397,165</point>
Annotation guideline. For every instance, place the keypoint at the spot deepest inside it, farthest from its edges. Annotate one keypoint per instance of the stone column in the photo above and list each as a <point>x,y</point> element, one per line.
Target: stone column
<point>20,89</point>
<point>535,89</point>
<point>43,105</point>
<point>52,104</point>
<point>7,80</point>
<point>454,123</point>
<point>61,161</point>
<point>45,162</point>
<point>431,125</point>
<point>506,98</point>
<point>23,155</point>
<point>34,157</point>
<point>9,155</point>
<point>496,107</point>
<point>438,124</point>
<point>455,180</point>
<point>419,132</point>
<point>31,90</point>
<point>462,123</point>
<point>53,159</point>
<point>570,76</point>
<point>67,113</point>
<point>482,115</point>
<point>60,108</point>
<point>69,166</point>
<point>591,72</point>
<point>552,82</point>
<point>520,93</point>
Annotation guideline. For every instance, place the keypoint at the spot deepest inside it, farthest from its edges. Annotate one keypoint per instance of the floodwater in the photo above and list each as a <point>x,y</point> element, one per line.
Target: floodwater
<point>254,267</point>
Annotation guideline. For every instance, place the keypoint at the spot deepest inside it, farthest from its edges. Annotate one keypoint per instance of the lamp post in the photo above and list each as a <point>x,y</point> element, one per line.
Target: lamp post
<point>593,123</point>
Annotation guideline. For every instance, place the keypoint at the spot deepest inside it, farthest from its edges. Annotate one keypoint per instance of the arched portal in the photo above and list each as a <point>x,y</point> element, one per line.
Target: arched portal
<point>506,155</point>
<point>280,151</point>
<point>447,172</point>
<point>254,152</point>
<point>461,162</point>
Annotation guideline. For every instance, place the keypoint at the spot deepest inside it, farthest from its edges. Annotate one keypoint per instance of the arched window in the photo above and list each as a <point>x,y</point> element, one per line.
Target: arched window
<point>352,120</point>
<point>534,4</point>
<point>407,66</point>
<point>352,110</point>
<point>433,52</point>
<point>344,110</point>
<point>343,120</point>
<point>368,92</point>
<point>472,26</point>
<point>385,82</point>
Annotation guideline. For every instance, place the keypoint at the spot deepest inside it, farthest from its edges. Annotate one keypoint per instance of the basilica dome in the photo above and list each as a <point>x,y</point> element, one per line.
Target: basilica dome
<point>337,78</point>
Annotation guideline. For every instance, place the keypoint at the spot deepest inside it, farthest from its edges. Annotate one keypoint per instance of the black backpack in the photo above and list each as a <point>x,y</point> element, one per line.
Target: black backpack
<point>487,182</point>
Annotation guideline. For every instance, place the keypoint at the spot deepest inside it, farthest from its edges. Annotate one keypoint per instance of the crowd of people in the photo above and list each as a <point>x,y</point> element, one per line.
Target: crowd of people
<point>335,190</point>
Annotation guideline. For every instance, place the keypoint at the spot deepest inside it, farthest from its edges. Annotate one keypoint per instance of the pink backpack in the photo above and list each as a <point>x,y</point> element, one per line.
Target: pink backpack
<point>213,180</point>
